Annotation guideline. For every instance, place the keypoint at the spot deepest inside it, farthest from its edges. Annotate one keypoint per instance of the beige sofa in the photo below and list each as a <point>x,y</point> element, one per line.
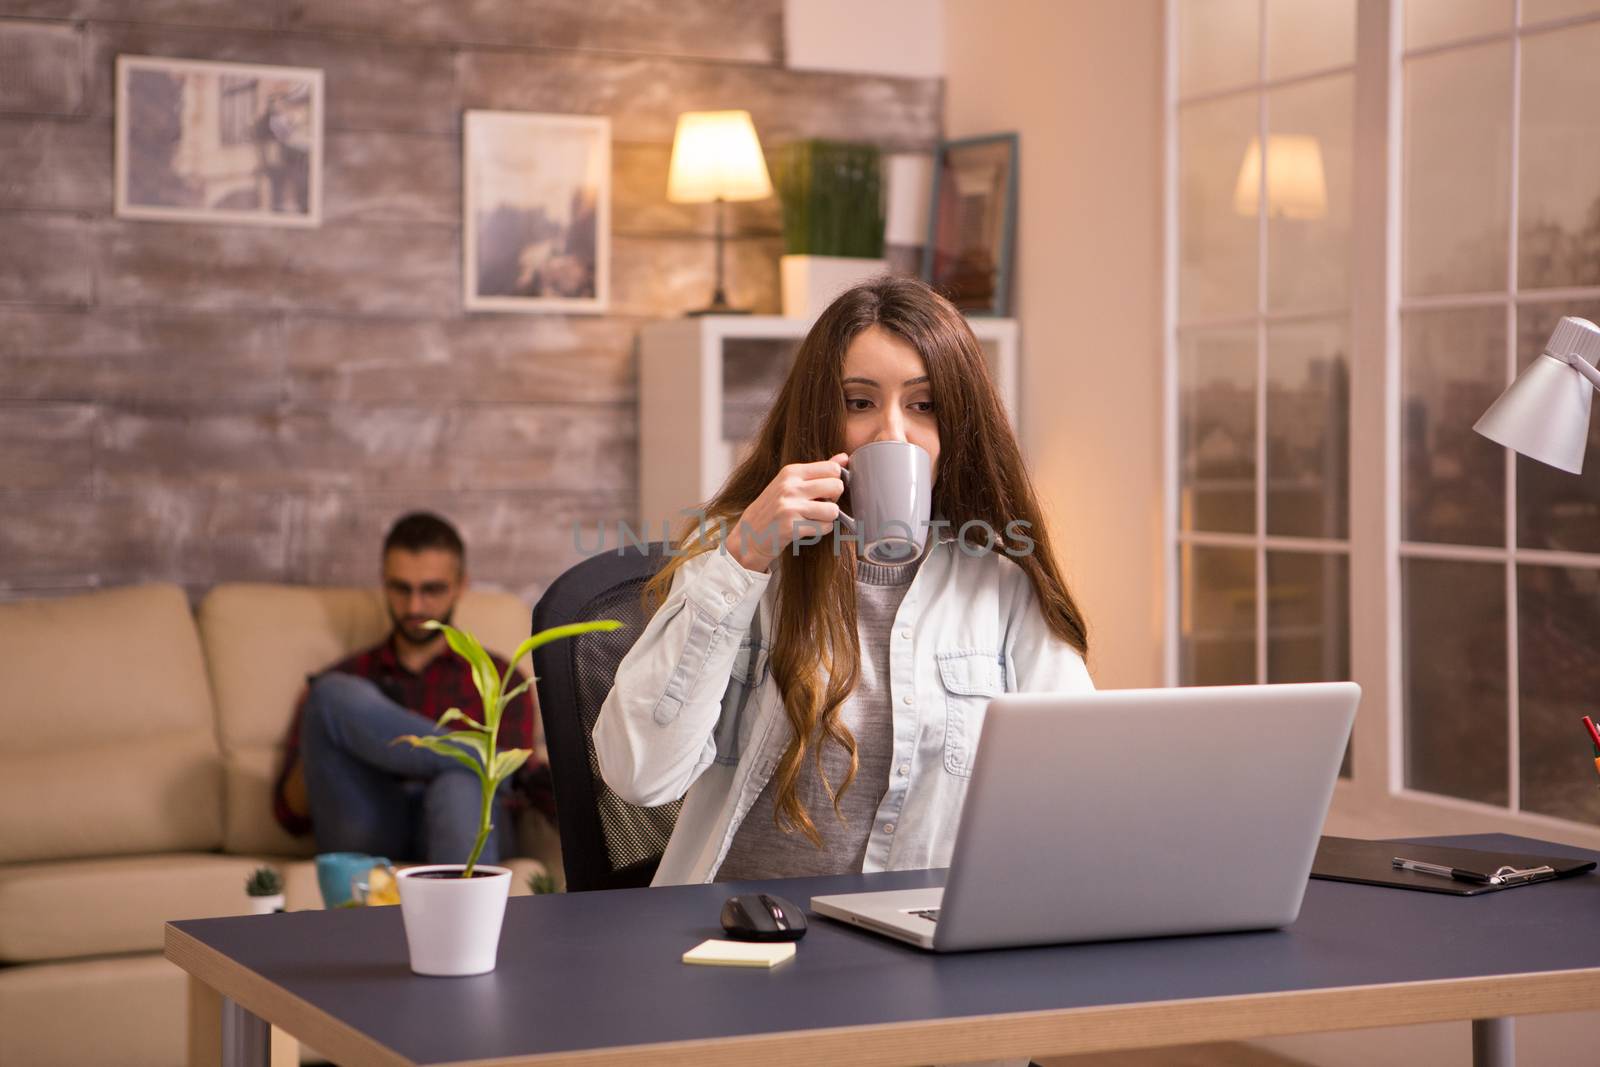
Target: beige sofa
<point>140,744</point>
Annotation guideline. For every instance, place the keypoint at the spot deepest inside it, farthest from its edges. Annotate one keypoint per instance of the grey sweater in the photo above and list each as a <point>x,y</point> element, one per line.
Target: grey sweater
<point>759,848</point>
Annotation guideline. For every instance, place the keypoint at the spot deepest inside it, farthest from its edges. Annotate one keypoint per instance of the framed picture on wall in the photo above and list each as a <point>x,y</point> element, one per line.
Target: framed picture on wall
<point>973,222</point>
<point>537,212</point>
<point>218,142</point>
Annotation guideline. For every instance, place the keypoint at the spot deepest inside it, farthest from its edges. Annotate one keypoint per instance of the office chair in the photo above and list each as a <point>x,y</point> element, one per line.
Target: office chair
<point>605,843</point>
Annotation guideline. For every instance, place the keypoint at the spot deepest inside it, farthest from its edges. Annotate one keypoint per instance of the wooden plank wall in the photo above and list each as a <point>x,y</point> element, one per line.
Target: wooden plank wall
<point>202,403</point>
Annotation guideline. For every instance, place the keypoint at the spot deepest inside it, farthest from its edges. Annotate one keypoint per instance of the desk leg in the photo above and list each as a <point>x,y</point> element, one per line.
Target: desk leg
<point>285,1049</point>
<point>205,1024</point>
<point>246,1037</point>
<point>1493,1043</point>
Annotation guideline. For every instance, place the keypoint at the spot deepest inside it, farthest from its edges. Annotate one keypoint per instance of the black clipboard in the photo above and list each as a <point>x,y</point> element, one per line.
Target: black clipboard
<point>1346,859</point>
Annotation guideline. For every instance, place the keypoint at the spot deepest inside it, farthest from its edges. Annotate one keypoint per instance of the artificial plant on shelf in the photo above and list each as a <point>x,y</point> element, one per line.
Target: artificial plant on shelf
<point>833,218</point>
<point>832,195</point>
<point>475,746</point>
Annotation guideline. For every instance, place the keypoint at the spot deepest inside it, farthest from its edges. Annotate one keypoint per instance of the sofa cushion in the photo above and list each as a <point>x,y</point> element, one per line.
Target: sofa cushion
<point>161,793</point>
<point>261,641</point>
<point>131,1011</point>
<point>110,741</point>
<point>65,909</point>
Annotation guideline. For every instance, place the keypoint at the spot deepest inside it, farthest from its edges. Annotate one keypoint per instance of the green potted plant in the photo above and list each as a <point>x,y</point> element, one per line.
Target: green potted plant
<point>452,912</point>
<point>833,218</point>
<point>264,887</point>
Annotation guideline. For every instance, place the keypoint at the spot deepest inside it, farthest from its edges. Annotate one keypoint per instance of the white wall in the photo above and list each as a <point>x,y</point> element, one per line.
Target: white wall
<point>1081,82</point>
<point>896,37</point>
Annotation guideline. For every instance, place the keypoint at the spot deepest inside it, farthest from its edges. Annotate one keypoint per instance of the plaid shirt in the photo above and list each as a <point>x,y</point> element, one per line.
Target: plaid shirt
<point>444,683</point>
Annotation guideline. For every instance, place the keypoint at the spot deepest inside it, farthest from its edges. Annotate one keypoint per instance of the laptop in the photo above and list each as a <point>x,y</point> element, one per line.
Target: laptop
<point>1129,813</point>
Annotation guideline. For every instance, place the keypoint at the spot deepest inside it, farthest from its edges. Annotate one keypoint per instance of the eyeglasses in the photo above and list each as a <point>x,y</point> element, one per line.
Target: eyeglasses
<point>427,590</point>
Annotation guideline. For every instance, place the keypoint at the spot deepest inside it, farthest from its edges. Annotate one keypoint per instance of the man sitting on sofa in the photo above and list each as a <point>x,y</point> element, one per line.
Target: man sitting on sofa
<point>343,779</point>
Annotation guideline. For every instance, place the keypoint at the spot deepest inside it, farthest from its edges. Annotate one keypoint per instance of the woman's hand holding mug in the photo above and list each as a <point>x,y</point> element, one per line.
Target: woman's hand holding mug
<point>801,500</point>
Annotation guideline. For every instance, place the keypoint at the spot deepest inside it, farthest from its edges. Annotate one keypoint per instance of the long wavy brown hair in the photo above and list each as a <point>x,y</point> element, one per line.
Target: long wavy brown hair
<point>815,657</point>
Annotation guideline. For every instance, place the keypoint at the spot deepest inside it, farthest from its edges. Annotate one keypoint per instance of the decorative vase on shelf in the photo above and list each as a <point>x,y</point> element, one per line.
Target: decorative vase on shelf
<point>833,221</point>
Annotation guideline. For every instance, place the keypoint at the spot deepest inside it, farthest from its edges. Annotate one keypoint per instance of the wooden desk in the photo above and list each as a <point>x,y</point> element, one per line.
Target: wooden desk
<point>595,978</point>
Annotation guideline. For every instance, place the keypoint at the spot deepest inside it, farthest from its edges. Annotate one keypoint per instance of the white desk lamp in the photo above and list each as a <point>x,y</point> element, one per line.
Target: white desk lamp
<point>1545,413</point>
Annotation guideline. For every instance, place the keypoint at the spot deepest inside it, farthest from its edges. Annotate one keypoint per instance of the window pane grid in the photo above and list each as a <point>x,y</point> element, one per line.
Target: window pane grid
<point>1454,660</point>
<point>1531,571</point>
<point>1459,600</point>
<point>1522,298</point>
<point>1187,327</point>
<point>1484,554</point>
<point>1302,56</point>
<point>1542,590</point>
<point>1267,86</point>
<point>1533,27</point>
<point>1254,606</point>
<point>1262,591</point>
<point>1558,612</point>
<point>1528,28</point>
<point>1271,543</point>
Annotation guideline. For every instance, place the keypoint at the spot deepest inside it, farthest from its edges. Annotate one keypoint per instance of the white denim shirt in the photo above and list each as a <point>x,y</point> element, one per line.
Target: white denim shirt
<point>695,712</point>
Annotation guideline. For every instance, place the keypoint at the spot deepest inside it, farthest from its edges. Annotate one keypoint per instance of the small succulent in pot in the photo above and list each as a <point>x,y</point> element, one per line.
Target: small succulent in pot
<point>264,888</point>
<point>264,882</point>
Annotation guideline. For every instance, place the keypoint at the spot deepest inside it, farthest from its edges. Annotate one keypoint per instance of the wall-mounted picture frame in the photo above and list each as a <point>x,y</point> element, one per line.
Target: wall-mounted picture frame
<point>973,222</point>
<point>200,141</point>
<point>536,212</point>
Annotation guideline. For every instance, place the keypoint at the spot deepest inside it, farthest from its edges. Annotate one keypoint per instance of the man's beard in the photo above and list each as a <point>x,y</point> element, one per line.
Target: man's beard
<point>410,629</point>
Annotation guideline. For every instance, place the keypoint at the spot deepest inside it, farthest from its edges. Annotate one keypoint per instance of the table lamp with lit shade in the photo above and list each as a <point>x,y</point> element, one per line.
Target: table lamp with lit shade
<point>1545,413</point>
<point>1296,185</point>
<point>716,157</point>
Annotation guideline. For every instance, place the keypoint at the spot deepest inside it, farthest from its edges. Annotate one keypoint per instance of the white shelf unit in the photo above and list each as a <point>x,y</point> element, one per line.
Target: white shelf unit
<point>705,383</point>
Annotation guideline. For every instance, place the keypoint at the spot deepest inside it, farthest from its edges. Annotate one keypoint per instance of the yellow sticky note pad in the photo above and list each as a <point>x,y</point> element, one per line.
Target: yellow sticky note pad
<point>740,953</point>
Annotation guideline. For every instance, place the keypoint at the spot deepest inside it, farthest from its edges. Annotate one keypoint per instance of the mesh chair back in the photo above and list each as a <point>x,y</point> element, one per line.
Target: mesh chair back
<point>605,843</point>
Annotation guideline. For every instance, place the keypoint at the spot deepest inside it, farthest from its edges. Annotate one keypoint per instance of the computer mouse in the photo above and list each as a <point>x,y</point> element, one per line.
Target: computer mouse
<point>762,917</point>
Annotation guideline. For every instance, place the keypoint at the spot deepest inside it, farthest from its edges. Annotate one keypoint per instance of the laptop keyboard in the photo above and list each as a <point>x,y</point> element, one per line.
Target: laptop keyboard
<point>931,914</point>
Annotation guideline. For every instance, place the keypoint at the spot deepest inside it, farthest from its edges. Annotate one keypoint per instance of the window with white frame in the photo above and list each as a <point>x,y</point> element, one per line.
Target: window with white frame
<point>1500,555</point>
<point>1264,110</point>
<point>1493,124</point>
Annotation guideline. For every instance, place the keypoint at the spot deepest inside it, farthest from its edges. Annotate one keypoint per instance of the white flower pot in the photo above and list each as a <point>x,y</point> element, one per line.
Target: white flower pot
<point>453,923</point>
<point>810,283</point>
<point>266,905</point>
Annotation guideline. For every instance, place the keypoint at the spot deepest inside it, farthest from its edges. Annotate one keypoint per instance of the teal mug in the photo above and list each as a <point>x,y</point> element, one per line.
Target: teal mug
<point>337,871</point>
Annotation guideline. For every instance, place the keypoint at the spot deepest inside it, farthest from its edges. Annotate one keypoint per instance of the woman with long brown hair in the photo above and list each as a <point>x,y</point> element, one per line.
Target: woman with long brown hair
<point>819,712</point>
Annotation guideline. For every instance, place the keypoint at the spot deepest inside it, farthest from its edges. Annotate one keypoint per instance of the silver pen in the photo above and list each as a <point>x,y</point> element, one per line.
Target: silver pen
<point>1423,867</point>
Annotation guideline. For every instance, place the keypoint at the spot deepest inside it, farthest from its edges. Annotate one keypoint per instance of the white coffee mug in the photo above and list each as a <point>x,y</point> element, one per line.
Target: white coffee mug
<point>891,493</point>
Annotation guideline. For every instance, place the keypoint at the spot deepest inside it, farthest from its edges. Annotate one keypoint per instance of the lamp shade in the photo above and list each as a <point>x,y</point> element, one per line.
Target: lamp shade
<point>1296,186</point>
<point>716,156</point>
<point>1545,413</point>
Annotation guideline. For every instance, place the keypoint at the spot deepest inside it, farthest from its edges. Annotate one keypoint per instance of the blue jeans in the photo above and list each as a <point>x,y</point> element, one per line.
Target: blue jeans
<point>368,795</point>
